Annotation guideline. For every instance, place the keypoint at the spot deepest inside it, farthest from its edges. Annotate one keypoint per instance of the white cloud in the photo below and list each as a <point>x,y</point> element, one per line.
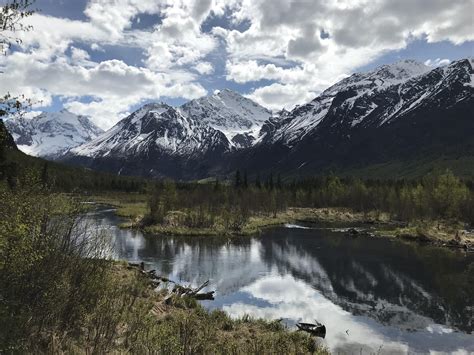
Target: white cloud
<point>114,16</point>
<point>281,41</point>
<point>438,62</point>
<point>116,85</point>
<point>96,47</point>
<point>356,33</point>
<point>52,64</point>
<point>277,96</point>
<point>204,68</point>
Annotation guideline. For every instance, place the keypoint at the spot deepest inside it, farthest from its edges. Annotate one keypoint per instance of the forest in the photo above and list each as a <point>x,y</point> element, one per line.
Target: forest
<point>437,196</point>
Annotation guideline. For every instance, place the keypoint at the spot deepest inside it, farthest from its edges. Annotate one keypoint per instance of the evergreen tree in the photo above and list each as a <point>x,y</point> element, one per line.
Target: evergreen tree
<point>45,175</point>
<point>238,180</point>
<point>258,183</point>
<point>271,184</point>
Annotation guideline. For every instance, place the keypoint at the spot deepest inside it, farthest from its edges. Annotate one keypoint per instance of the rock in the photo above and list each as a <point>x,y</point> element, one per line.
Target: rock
<point>352,232</point>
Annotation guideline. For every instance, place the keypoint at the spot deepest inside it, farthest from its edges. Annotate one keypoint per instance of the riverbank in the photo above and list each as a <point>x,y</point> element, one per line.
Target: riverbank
<point>184,326</point>
<point>133,207</point>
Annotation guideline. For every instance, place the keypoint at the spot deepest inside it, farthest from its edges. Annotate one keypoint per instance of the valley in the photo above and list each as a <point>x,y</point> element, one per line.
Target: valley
<point>236,177</point>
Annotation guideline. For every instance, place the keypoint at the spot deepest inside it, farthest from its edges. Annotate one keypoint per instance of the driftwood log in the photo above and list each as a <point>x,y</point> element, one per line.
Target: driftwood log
<point>317,329</point>
<point>179,290</point>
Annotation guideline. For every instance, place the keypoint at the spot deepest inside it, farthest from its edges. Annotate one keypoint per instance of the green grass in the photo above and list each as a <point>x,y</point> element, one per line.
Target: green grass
<point>129,205</point>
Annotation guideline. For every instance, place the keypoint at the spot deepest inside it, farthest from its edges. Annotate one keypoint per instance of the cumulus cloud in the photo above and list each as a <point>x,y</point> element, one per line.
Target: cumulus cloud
<point>204,68</point>
<point>301,47</point>
<point>277,96</point>
<point>115,85</point>
<point>50,63</point>
<point>355,33</point>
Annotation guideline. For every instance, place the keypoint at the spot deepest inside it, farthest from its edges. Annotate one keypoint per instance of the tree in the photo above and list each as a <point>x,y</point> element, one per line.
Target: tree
<point>270,184</point>
<point>11,21</point>
<point>45,175</point>
<point>449,194</point>
<point>258,183</point>
<point>238,180</point>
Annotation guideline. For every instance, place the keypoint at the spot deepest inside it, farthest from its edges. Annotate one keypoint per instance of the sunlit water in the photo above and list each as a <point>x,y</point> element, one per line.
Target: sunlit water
<point>373,295</point>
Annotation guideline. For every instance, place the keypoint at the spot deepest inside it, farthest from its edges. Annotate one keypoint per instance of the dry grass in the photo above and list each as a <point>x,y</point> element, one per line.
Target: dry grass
<point>185,327</point>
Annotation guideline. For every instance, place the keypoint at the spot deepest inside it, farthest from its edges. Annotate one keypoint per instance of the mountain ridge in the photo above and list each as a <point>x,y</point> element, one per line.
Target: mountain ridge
<point>50,134</point>
<point>366,118</point>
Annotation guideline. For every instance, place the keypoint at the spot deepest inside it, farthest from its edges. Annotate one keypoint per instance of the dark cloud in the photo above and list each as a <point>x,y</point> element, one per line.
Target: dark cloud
<point>308,43</point>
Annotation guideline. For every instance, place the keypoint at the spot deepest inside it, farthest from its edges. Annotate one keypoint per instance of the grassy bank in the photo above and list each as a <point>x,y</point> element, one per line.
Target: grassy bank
<point>132,206</point>
<point>442,233</point>
<point>181,325</point>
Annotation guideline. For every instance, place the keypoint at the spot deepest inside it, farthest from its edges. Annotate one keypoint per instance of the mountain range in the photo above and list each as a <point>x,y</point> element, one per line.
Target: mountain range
<point>400,113</point>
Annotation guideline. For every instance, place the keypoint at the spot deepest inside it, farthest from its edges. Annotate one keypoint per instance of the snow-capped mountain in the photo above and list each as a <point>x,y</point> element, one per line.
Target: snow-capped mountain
<point>395,112</point>
<point>160,136</point>
<point>401,111</point>
<point>154,127</point>
<point>353,92</point>
<point>156,140</point>
<point>239,118</point>
<point>50,134</point>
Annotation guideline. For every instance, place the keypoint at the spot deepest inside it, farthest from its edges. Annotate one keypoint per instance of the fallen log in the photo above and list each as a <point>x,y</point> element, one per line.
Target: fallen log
<point>317,329</point>
<point>195,291</point>
<point>141,265</point>
<point>179,290</point>
<point>204,296</point>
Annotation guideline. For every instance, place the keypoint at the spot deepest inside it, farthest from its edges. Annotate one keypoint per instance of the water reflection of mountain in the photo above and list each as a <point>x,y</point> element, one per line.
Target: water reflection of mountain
<point>396,284</point>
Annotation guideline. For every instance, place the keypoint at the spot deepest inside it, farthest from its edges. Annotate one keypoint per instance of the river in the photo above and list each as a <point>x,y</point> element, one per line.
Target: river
<point>374,295</point>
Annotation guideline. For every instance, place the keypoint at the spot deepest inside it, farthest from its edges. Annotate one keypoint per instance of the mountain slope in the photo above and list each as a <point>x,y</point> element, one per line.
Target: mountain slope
<point>352,92</point>
<point>157,140</point>
<point>6,139</point>
<point>239,118</point>
<point>51,133</point>
<point>398,114</point>
<point>358,122</point>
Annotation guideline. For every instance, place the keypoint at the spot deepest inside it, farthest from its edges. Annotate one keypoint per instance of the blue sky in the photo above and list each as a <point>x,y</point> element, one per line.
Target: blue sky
<point>105,58</point>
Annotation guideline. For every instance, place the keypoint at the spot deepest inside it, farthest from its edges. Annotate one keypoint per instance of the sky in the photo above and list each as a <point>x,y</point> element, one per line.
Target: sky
<point>105,58</point>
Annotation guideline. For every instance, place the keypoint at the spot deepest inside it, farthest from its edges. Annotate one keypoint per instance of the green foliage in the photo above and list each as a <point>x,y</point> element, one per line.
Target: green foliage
<point>12,14</point>
<point>14,165</point>
<point>58,294</point>
<point>49,271</point>
<point>438,195</point>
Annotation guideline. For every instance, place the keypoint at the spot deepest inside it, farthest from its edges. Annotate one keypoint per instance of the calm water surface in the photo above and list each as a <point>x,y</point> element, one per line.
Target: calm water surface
<point>373,295</point>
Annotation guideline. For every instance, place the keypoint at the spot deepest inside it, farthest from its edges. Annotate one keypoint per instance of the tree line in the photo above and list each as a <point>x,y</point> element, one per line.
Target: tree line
<point>439,195</point>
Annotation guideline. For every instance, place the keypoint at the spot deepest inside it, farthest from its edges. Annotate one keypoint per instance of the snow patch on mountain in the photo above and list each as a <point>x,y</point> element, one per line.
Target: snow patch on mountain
<point>386,92</point>
<point>154,127</point>
<point>50,134</point>
<point>228,112</point>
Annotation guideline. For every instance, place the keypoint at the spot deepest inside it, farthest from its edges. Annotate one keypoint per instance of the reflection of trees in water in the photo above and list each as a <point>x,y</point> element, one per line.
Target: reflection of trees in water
<point>412,282</point>
<point>395,283</point>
